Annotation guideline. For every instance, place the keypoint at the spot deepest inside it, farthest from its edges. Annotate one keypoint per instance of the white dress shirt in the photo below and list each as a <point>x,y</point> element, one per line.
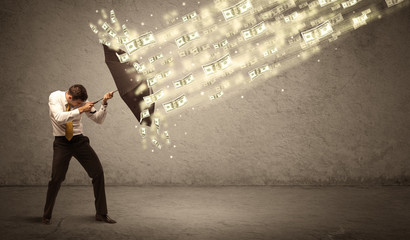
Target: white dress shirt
<point>59,116</point>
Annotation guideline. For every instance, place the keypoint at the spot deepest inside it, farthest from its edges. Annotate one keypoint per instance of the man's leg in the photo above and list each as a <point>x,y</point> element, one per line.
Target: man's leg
<point>61,160</point>
<point>85,154</point>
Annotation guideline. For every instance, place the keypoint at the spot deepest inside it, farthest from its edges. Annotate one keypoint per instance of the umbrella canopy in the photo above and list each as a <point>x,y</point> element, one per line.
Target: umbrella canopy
<point>131,91</point>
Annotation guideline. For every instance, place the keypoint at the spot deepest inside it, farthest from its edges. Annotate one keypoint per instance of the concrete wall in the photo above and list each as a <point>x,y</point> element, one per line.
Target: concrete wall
<point>343,120</point>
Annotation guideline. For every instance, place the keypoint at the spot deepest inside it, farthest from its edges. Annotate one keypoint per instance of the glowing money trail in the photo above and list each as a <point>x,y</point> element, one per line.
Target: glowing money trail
<point>203,54</point>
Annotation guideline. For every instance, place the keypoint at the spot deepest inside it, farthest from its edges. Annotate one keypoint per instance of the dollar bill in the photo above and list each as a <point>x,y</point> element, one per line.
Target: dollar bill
<point>185,81</point>
<point>105,26</point>
<point>278,10</point>
<point>156,122</point>
<point>204,47</point>
<point>335,7</point>
<point>184,53</point>
<point>258,71</point>
<point>139,67</point>
<point>318,32</point>
<point>309,36</point>
<point>250,23</point>
<point>220,87</point>
<point>167,136</point>
<point>132,46</point>
<point>125,30</point>
<point>336,19</point>
<point>197,50</point>
<point>144,114</point>
<point>158,95</point>
<point>210,29</point>
<point>190,16</point>
<point>94,28</point>
<point>221,44</point>
<point>349,3</point>
<point>367,11</point>
<point>254,31</point>
<point>181,41</point>
<point>105,42</point>
<point>217,95</point>
<point>391,3</point>
<point>313,4</point>
<point>323,3</point>
<point>270,51</point>
<point>155,58</point>
<point>162,75</point>
<point>154,97</point>
<point>208,83</point>
<point>156,143</point>
<point>152,81</point>
<point>217,65</point>
<point>123,57</point>
<point>143,132</point>
<point>291,17</point>
<point>168,61</point>
<point>112,16</point>
<point>112,33</point>
<point>237,10</point>
<point>176,103</point>
<point>122,39</point>
<point>302,5</point>
<point>142,41</point>
<point>109,30</point>
<point>316,22</point>
<point>147,38</point>
<point>360,20</point>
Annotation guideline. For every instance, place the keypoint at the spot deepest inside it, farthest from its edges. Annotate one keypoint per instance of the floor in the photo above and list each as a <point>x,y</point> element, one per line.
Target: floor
<point>228,212</point>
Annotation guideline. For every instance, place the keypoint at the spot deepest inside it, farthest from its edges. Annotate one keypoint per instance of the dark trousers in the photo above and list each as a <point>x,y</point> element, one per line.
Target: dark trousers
<point>80,148</point>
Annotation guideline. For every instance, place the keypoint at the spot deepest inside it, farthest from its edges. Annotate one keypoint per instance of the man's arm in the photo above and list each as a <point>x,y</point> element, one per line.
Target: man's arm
<point>99,116</point>
<point>57,111</point>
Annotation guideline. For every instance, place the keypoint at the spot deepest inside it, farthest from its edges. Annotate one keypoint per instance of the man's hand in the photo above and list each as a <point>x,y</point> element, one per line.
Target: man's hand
<point>86,107</point>
<point>107,96</point>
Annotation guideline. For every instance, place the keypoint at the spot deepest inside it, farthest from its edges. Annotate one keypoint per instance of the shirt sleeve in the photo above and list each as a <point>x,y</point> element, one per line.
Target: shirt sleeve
<point>58,113</point>
<point>99,115</point>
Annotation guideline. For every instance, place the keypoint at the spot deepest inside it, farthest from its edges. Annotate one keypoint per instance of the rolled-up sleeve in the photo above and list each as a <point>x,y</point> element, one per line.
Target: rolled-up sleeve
<point>58,113</point>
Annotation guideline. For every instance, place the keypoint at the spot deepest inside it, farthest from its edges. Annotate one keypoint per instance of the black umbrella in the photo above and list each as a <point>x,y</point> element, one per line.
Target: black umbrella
<point>131,91</point>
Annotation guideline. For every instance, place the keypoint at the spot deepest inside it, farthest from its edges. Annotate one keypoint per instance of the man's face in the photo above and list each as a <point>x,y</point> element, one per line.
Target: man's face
<point>74,103</point>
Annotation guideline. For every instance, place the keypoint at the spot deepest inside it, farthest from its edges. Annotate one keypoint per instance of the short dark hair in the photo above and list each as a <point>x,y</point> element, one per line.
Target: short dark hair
<point>78,91</point>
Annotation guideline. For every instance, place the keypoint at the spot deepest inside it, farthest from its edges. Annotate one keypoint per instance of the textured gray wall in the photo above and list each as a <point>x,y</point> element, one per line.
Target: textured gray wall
<point>343,120</point>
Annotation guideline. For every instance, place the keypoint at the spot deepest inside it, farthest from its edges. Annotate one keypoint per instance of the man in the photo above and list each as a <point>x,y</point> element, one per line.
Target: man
<point>66,110</point>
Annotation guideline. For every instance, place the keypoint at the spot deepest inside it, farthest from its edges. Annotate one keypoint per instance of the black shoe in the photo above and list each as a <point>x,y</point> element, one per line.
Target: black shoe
<point>46,221</point>
<point>104,218</point>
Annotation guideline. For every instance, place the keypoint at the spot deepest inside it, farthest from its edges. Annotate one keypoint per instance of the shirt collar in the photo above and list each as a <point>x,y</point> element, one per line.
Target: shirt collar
<point>65,102</point>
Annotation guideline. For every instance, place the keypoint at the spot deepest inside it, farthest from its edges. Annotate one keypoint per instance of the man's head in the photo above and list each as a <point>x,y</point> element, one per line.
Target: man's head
<point>76,95</point>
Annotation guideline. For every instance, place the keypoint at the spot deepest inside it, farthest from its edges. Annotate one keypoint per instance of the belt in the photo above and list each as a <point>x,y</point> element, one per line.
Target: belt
<point>78,135</point>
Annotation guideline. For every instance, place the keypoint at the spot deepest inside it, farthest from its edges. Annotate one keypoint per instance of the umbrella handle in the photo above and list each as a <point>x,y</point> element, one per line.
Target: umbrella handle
<point>103,98</point>
<point>100,100</point>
